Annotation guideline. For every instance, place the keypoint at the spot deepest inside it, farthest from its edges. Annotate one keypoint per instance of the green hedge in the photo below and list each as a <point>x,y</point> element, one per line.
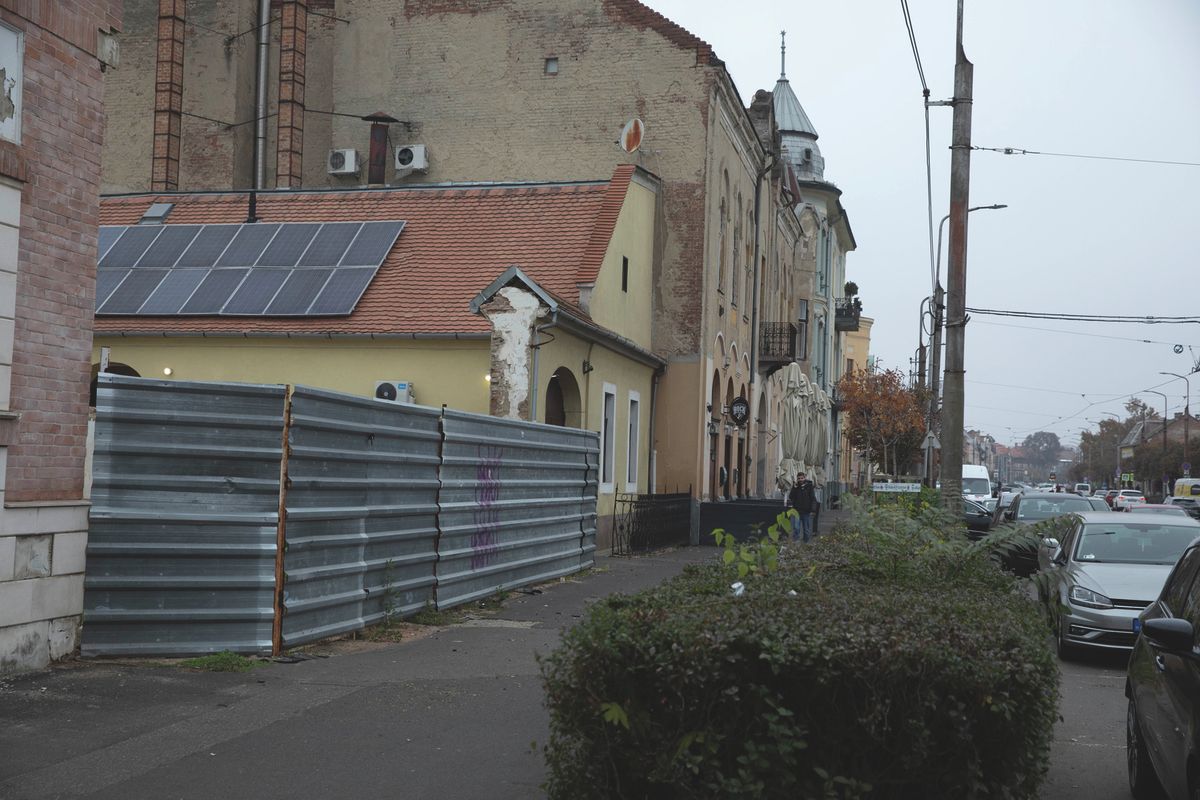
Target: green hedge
<point>894,661</point>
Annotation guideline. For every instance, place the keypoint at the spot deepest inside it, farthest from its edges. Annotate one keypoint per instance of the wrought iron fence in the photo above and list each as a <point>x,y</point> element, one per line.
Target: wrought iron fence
<point>645,522</point>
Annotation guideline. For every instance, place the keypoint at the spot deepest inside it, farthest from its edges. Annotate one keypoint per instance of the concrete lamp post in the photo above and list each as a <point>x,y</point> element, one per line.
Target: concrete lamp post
<point>1187,410</point>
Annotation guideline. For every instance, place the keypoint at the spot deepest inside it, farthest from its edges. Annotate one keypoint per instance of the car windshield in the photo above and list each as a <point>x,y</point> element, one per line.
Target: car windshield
<point>1046,507</point>
<point>1134,543</point>
<point>976,486</point>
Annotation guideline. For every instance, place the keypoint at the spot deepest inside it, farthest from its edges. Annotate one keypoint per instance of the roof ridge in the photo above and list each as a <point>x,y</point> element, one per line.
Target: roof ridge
<point>605,224</point>
<point>646,17</point>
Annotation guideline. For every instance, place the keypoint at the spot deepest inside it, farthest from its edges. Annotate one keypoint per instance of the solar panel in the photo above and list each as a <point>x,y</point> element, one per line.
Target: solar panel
<point>169,245</point>
<point>174,291</point>
<point>372,245</point>
<point>256,291</point>
<point>133,291</point>
<point>106,281</point>
<point>298,292</point>
<point>214,291</point>
<point>287,247</point>
<point>129,248</point>
<point>208,246</point>
<point>254,269</point>
<point>247,246</point>
<point>343,291</point>
<point>107,238</point>
<point>331,242</point>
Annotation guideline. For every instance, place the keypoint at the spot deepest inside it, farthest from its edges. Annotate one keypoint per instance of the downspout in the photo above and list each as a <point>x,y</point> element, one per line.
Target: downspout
<point>537,346</point>
<point>754,294</point>
<point>260,103</point>
<point>651,459</point>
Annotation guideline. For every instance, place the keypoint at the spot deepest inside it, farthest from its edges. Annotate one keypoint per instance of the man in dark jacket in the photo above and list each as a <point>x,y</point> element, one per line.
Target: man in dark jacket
<point>803,498</point>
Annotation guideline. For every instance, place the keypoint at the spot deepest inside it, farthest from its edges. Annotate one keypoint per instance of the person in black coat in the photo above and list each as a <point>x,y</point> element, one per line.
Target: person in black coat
<point>803,498</point>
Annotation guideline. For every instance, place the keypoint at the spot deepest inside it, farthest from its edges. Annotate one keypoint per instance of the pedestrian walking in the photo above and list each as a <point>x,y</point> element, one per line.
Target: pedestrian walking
<point>803,499</point>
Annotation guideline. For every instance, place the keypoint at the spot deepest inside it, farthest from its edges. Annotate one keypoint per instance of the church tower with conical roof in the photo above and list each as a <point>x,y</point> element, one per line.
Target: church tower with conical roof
<point>799,137</point>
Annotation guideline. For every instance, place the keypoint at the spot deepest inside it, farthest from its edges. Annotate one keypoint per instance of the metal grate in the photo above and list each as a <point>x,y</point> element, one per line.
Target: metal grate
<point>645,522</point>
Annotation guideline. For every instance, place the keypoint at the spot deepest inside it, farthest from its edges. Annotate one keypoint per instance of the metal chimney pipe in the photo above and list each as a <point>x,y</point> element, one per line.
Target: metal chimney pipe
<point>260,103</point>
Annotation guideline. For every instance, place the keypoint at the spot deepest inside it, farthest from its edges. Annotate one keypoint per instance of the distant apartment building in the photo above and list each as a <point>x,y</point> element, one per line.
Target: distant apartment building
<point>52,55</point>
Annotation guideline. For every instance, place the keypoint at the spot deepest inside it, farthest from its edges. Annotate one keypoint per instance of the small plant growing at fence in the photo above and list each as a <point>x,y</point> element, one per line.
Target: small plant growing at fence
<point>224,661</point>
<point>389,595</point>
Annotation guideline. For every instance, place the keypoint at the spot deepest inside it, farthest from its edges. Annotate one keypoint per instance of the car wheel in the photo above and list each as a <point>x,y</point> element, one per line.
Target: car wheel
<point>1143,782</point>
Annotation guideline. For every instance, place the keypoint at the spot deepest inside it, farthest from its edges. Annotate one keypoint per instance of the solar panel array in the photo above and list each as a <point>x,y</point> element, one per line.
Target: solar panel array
<point>291,269</point>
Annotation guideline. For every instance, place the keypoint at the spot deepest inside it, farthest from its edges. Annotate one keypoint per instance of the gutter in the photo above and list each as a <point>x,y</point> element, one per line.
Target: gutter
<point>260,101</point>
<point>291,335</point>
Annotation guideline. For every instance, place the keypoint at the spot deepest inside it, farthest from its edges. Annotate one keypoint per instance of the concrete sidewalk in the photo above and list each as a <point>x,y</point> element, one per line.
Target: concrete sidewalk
<point>457,714</point>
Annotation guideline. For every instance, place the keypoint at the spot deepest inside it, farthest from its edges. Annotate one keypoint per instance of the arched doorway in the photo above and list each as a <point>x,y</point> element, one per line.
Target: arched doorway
<point>563,404</point>
<point>114,368</point>
<point>714,426</point>
<point>742,465</point>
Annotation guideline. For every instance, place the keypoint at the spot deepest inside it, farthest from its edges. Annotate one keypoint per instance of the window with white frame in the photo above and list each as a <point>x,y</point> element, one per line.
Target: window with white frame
<point>631,451</point>
<point>608,431</point>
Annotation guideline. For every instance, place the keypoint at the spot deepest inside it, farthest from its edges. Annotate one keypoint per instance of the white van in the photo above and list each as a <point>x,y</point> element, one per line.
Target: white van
<point>976,483</point>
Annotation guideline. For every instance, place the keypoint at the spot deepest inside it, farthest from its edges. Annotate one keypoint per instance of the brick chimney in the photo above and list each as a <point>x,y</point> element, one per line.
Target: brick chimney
<point>168,96</point>
<point>289,134</point>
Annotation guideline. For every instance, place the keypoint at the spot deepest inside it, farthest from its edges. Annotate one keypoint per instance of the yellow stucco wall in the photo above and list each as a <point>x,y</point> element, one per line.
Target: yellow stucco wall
<point>443,371</point>
<point>629,311</point>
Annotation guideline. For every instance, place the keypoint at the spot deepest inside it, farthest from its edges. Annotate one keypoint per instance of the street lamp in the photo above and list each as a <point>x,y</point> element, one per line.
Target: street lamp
<point>937,280</point>
<point>1164,427</point>
<point>1187,412</point>
<point>935,355</point>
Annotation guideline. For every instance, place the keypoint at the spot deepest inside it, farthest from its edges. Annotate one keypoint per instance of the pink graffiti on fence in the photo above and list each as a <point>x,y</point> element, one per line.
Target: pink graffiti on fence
<point>487,516</point>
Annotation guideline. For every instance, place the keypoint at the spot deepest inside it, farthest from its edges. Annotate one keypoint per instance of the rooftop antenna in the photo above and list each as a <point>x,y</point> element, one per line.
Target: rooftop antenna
<point>782,55</point>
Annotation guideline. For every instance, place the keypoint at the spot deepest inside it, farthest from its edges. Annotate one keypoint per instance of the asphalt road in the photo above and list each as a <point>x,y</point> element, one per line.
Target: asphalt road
<point>1088,758</point>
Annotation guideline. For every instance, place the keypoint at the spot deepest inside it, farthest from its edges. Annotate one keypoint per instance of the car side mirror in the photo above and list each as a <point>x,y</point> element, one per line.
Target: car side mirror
<point>1050,543</point>
<point>1170,634</point>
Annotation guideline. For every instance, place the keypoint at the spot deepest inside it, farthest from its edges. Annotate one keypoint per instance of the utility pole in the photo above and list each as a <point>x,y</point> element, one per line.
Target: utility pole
<point>956,294</point>
<point>935,374</point>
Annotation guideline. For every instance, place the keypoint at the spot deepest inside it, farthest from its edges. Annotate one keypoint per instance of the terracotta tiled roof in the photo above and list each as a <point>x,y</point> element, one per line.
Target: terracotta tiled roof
<point>456,241</point>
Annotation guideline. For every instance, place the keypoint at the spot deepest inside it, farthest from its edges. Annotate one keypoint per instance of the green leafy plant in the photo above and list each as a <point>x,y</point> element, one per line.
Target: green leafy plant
<point>754,556</point>
<point>890,660</point>
<point>224,661</point>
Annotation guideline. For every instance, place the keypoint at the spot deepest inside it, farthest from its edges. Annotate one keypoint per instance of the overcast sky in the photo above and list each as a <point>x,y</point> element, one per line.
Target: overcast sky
<point>1091,77</point>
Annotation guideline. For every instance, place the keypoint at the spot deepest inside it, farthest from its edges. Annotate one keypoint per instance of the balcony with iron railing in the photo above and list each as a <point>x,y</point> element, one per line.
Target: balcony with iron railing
<point>779,345</point>
<point>847,311</point>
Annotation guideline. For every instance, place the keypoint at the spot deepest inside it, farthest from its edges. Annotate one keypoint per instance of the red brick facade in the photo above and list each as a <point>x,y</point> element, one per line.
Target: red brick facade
<point>58,163</point>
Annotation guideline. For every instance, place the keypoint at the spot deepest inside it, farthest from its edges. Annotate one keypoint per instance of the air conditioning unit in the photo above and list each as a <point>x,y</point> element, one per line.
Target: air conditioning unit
<point>412,158</point>
<point>342,162</point>
<point>395,391</point>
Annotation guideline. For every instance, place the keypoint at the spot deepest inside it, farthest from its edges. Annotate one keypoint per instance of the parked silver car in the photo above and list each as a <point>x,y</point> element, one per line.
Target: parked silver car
<point>1105,571</point>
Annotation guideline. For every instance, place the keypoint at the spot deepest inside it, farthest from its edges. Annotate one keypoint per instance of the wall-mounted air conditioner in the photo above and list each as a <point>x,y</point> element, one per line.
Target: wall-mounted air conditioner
<point>342,162</point>
<point>395,391</point>
<point>412,158</point>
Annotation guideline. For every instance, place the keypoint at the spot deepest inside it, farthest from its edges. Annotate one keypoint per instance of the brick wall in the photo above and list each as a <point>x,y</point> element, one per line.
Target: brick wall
<point>49,184</point>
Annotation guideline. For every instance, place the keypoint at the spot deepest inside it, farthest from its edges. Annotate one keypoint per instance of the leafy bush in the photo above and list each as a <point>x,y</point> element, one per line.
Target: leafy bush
<point>892,660</point>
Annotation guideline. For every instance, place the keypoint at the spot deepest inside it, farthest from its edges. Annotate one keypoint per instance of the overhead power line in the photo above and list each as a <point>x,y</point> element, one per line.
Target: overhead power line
<point>912,40</point>
<point>1017,151</point>
<point>1074,333</point>
<point>1065,317</point>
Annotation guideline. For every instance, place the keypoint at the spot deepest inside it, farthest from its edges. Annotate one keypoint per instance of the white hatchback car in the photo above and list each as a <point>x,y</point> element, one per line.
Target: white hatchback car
<point>1126,498</point>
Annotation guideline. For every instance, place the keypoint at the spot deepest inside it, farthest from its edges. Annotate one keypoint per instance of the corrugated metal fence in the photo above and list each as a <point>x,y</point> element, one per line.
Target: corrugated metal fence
<point>372,510</point>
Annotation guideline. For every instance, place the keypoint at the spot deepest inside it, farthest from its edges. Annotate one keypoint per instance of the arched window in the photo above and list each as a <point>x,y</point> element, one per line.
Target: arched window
<point>724,236</point>
<point>737,251</point>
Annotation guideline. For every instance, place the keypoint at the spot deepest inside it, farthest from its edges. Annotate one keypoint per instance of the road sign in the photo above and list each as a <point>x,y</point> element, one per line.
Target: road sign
<point>931,442</point>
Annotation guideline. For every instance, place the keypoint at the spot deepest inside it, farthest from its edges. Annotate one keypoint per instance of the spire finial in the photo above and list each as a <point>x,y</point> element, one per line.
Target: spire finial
<point>782,56</point>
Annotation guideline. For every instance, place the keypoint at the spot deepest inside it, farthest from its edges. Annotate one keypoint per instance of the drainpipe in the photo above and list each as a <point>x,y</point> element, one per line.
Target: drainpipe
<point>260,103</point>
<point>755,299</point>
<point>536,347</point>
<point>651,460</point>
